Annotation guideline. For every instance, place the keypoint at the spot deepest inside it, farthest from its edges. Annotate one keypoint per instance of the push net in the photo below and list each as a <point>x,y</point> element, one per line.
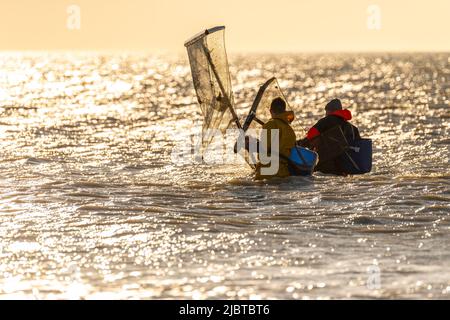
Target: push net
<point>212,81</point>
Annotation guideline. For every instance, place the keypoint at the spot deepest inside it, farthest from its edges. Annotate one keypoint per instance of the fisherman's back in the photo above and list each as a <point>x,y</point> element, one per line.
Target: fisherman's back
<point>286,140</point>
<point>339,118</point>
<point>335,117</point>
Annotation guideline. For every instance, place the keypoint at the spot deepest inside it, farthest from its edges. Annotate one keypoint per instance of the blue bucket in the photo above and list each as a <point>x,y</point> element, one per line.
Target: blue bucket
<point>358,159</point>
<point>305,161</point>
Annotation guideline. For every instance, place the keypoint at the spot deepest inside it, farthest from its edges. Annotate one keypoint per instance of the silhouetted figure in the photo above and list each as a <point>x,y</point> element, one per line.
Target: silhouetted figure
<point>281,120</point>
<point>336,118</point>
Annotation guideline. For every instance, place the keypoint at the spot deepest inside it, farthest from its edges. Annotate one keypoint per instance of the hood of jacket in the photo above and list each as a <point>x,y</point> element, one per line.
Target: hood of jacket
<point>287,116</point>
<point>344,114</point>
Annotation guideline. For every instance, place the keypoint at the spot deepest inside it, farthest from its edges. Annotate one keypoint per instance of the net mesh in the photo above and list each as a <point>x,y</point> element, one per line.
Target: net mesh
<point>261,106</point>
<point>214,106</point>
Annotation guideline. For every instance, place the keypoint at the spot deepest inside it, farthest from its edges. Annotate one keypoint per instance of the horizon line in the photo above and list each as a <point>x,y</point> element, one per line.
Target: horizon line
<point>176,52</point>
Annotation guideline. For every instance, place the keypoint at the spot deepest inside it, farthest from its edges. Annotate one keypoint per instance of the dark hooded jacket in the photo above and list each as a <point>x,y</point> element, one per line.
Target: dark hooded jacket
<point>337,118</point>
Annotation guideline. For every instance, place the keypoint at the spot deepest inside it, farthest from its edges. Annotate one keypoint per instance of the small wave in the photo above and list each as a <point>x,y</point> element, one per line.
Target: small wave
<point>86,195</point>
<point>37,161</point>
<point>88,184</point>
<point>432,197</point>
<point>136,167</point>
<point>364,220</point>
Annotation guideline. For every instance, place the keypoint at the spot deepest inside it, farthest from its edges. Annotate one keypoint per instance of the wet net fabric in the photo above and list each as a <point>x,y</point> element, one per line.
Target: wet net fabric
<point>214,107</point>
<point>261,106</point>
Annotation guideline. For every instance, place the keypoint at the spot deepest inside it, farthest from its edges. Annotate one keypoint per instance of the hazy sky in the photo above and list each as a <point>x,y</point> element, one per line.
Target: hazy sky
<point>252,25</point>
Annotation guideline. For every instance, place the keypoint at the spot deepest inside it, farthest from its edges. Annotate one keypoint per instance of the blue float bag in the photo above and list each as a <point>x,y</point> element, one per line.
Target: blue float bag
<point>302,161</point>
<point>358,158</point>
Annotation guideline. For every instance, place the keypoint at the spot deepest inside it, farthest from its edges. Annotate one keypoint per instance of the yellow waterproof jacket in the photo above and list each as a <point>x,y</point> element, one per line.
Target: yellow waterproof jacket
<point>287,141</point>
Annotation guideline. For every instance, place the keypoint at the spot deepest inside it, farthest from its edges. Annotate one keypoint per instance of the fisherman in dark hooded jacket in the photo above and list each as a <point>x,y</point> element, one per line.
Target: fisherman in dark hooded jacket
<point>335,116</point>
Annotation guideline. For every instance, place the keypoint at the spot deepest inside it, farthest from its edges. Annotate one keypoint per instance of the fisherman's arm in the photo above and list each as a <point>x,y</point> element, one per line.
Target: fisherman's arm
<point>267,144</point>
<point>312,133</point>
<point>251,141</point>
<point>248,141</point>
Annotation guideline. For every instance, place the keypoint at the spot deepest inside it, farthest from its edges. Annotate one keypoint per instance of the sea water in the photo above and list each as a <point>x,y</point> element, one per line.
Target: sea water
<point>92,205</point>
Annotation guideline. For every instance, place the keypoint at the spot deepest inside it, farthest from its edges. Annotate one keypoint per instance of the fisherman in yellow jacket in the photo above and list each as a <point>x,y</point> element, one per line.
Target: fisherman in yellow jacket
<point>281,120</point>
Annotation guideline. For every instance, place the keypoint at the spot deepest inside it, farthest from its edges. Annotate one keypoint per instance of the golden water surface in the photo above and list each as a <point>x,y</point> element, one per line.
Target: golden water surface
<point>91,205</point>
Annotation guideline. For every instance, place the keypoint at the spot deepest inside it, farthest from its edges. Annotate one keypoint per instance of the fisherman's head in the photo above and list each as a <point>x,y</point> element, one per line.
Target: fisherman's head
<point>277,106</point>
<point>332,106</point>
